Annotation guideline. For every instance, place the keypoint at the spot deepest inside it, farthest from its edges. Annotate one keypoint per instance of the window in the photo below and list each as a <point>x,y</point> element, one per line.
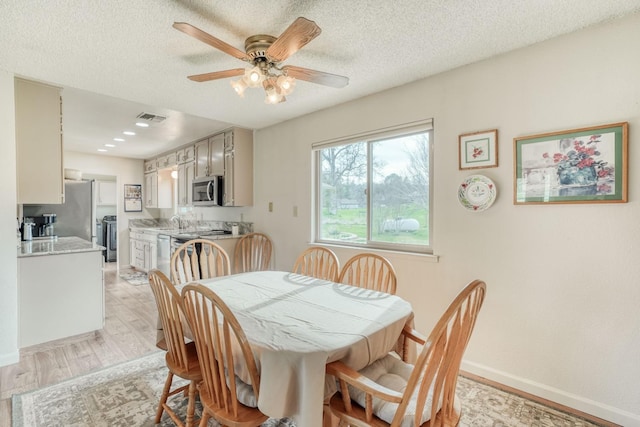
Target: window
<point>374,190</point>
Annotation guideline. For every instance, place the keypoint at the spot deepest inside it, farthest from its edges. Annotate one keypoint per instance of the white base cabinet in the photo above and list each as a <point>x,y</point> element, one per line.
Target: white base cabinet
<point>143,250</point>
<point>59,296</point>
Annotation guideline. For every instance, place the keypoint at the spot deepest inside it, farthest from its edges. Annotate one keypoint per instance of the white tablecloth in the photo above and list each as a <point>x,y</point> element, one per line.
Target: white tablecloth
<point>296,324</point>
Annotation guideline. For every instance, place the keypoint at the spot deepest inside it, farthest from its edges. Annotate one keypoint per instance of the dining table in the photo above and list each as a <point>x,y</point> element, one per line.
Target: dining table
<point>297,324</point>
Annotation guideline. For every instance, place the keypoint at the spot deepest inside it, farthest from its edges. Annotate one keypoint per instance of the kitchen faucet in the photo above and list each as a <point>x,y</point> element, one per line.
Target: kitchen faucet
<point>178,219</point>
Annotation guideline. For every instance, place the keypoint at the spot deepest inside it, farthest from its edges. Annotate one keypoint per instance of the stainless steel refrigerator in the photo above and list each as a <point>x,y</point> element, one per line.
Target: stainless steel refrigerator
<point>76,216</point>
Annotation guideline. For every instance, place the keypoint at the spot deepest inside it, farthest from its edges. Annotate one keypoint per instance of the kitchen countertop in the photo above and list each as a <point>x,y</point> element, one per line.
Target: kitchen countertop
<point>183,234</point>
<point>59,246</point>
<point>191,228</point>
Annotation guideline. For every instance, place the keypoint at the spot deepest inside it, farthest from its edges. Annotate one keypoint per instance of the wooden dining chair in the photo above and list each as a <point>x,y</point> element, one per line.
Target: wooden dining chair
<point>369,271</point>
<point>181,357</point>
<point>318,262</point>
<point>199,259</point>
<point>253,253</point>
<point>223,350</point>
<point>422,394</point>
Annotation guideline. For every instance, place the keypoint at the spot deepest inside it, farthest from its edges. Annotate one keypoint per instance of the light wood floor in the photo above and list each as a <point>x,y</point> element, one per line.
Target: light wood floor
<point>129,332</point>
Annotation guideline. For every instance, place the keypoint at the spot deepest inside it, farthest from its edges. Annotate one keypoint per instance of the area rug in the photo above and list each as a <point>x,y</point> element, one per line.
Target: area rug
<point>135,278</point>
<point>127,395</point>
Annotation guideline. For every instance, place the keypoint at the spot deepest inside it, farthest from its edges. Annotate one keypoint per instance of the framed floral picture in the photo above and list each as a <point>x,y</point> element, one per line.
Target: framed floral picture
<point>478,150</point>
<point>587,165</point>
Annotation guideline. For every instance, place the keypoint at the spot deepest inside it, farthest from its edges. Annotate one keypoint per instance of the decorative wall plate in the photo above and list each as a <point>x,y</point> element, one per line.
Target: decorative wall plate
<point>477,193</point>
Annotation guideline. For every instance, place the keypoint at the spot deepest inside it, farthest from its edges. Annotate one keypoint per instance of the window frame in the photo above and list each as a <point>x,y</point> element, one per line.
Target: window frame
<point>399,131</point>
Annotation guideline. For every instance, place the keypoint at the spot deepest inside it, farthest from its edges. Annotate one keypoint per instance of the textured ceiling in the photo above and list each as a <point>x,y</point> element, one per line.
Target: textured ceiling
<point>128,51</point>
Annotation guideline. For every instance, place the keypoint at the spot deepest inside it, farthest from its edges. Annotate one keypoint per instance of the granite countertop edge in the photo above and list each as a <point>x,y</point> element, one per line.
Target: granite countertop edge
<point>59,246</point>
<point>181,233</point>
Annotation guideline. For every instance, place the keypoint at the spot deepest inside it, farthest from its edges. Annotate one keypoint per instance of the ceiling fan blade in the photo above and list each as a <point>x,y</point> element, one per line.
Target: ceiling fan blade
<point>216,75</point>
<point>298,34</point>
<point>210,40</point>
<point>315,76</point>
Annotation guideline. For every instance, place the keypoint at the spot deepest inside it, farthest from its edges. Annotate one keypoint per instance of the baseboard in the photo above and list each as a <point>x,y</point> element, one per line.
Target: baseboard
<point>10,358</point>
<point>608,415</point>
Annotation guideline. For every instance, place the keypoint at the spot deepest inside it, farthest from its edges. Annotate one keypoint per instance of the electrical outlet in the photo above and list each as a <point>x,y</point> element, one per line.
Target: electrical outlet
<point>295,211</point>
<point>270,206</point>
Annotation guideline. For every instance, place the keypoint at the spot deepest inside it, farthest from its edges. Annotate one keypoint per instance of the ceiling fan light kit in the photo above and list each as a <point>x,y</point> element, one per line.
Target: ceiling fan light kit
<point>265,53</point>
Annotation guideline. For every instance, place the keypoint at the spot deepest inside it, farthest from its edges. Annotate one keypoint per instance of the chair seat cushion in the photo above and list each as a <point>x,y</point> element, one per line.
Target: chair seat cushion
<point>392,373</point>
<point>244,392</point>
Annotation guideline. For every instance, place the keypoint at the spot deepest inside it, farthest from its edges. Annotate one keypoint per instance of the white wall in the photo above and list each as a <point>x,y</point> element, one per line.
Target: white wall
<point>126,171</point>
<point>561,318</point>
<point>8,241</point>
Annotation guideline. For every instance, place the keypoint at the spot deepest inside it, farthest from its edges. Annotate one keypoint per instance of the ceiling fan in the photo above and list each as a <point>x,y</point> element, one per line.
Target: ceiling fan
<point>265,54</point>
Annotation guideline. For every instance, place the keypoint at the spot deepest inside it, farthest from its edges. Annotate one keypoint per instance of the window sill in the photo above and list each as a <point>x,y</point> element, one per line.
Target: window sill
<point>422,255</point>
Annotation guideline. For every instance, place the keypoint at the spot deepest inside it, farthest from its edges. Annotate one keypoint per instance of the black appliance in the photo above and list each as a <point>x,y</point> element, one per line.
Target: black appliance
<point>110,237</point>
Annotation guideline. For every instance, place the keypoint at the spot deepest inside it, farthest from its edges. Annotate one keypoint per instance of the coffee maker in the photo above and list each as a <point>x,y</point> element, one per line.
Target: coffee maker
<point>45,225</point>
<point>26,229</point>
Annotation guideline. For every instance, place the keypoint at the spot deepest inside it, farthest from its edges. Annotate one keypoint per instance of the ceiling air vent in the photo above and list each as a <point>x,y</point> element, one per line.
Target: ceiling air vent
<point>151,117</point>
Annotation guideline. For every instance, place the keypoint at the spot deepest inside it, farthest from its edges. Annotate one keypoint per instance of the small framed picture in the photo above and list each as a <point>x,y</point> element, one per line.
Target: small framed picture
<point>478,150</point>
<point>587,165</point>
<point>133,198</point>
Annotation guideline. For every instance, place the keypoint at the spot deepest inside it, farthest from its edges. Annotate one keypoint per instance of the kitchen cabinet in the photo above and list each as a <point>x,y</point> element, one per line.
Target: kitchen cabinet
<point>134,260</point>
<point>186,154</point>
<point>202,158</point>
<point>238,167</point>
<point>150,165</point>
<point>151,190</point>
<point>229,246</point>
<point>39,146</point>
<point>167,161</point>
<point>106,193</point>
<point>216,154</point>
<point>59,296</point>
<point>186,174</point>
<point>144,250</point>
<point>158,189</point>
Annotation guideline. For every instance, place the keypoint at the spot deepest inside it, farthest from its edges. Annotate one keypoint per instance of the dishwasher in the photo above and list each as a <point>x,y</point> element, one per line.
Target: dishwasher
<point>164,253</point>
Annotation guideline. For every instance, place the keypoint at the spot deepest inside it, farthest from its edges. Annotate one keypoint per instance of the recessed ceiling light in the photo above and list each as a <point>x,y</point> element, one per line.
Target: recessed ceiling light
<point>142,125</point>
<point>128,132</point>
<point>109,145</point>
<point>102,150</point>
<point>118,139</point>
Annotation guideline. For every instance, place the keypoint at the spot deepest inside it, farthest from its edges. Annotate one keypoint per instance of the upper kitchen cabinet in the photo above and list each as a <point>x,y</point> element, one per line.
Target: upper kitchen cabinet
<point>186,173</point>
<point>216,154</point>
<point>39,166</point>
<point>150,165</point>
<point>167,161</point>
<point>151,190</point>
<point>202,158</point>
<point>158,189</point>
<point>106,193</point>
<point>187,154</point>
<point>238,167</point>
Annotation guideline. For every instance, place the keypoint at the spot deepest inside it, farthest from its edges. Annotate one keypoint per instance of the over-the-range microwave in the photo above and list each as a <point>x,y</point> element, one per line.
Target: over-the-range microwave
<point>207,191</point>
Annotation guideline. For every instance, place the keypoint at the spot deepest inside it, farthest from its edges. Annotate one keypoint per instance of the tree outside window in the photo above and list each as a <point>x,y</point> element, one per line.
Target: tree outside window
<point>376,192</point>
